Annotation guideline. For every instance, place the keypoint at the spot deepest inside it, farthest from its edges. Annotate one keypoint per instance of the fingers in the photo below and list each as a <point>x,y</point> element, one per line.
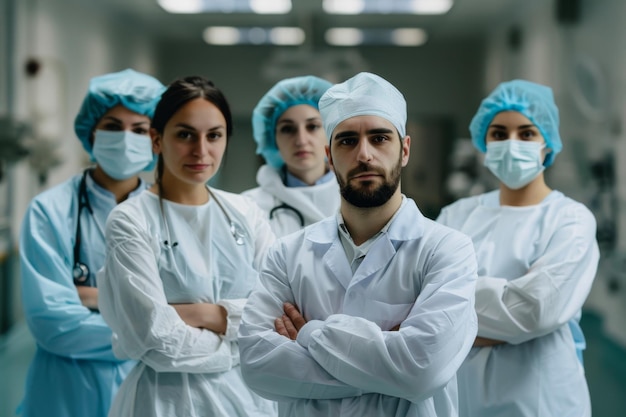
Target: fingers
<point>285,327</point>
<point>294,315</point>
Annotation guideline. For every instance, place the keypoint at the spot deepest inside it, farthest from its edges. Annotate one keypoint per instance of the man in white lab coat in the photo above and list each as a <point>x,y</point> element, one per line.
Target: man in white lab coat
<point>369,312</point>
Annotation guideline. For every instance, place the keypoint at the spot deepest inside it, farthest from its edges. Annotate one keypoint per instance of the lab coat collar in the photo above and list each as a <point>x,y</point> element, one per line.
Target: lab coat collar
<point>407,225</point>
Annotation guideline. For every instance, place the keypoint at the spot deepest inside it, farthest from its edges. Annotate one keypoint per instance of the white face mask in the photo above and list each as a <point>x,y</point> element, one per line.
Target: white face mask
<point>122,154</point>
<point>516,163</point>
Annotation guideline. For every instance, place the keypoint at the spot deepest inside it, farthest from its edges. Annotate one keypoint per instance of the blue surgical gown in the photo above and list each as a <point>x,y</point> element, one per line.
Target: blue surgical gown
<point>74,371</point>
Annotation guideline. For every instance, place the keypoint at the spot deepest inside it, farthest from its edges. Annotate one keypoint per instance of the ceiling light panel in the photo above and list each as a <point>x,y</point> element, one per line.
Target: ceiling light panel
<point>226,6</point>
<point>387,6</point>
<point>382,37</point>
<point>222,35</point>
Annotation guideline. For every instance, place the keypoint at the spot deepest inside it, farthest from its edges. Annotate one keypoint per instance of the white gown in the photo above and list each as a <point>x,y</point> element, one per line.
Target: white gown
<point>183,371</point>
<point>313,203</point>
<point>536,265</point>
<point>347,361</point>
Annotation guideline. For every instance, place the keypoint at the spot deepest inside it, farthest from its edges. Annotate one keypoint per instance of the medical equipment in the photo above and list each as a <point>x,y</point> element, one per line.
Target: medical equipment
<point>235,229</point>
<point>80,270</point>
<point>286,206</point>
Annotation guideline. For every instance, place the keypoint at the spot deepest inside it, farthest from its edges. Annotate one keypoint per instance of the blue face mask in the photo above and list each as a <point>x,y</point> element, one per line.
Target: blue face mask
<point>122,154</point>
<point>516,163</point>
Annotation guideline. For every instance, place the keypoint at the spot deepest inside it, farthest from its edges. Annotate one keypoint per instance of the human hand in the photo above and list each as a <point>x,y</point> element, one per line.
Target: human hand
<point>88,296</point>
<point>290,323</point>
<point>203,316</point>
<point>484,342</point>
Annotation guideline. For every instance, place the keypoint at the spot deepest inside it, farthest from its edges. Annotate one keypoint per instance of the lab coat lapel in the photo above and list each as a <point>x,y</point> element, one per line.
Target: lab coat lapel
<point>408,225</point>
<point>377,257</point>
<point>324,236</point>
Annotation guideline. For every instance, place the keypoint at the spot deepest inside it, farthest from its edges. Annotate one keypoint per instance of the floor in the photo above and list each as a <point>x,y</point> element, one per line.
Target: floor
<point>605,364</point>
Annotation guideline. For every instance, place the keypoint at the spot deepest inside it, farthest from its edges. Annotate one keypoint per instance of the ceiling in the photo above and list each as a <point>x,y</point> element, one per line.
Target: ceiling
<point>467,18</point>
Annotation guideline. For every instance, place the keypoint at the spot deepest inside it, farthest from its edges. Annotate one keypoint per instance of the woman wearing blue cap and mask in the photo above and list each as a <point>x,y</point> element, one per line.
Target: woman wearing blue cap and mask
<point>296,186</point>
<point>537,258</point>
<point>74,371</point>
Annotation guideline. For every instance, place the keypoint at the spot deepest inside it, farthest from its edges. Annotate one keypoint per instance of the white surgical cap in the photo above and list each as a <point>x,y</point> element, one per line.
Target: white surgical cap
<point>365,94</point>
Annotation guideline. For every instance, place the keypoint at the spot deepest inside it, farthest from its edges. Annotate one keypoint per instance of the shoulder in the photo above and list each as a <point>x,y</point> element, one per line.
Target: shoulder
<point>59,200</point>
<point>564,209</point>
<point>134,210</point>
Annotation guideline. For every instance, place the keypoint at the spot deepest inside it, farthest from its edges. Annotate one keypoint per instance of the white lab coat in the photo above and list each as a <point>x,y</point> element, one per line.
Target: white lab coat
<point>313,203</point>
<point>536,265</point>
<point>183,370</point>
<point>346,361</point>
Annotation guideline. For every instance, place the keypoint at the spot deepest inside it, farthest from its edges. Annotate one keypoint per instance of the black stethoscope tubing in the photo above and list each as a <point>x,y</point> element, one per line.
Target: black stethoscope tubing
<point>286,206</point>
<point>80,271</point>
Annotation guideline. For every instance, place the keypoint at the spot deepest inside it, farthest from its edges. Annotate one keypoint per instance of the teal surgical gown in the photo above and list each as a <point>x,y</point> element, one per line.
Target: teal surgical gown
<point>74,371</point>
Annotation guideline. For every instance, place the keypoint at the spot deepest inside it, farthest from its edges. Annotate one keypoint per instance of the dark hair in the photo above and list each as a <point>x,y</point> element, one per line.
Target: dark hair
<point>179,93</point>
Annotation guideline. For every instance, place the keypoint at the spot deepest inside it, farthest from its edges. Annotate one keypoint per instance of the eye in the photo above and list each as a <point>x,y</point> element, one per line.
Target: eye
<point>214,136</point>
<point>347,141</point>
<point>184,134</point>
<point>528,134</point>
<point>112,127</point>
<point>312,127</point>
<point>497,134</point>
<point>287,129</point>
<point>140,130</point>
<point>379,139</point>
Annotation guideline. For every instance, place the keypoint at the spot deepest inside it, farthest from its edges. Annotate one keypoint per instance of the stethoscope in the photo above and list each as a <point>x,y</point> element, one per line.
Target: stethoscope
<point>286,206</point>
<point>235,229</point>
<point>80,270</point>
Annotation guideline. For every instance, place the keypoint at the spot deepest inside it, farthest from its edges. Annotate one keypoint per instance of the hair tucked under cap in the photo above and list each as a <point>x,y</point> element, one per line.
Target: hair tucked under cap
<point>535,101</point>
<point>136,91</point>
<point>285,94</point>
<point>365,94</point>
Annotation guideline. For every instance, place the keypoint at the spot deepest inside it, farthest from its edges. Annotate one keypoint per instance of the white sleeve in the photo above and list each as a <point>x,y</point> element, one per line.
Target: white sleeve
<point>272,365</point>
<point>551,293</point>
<point>133,303</point>
<point>425,354</point>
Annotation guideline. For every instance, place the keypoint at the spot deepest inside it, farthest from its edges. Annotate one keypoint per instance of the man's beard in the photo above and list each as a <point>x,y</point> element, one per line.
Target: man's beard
<point>365,196</point>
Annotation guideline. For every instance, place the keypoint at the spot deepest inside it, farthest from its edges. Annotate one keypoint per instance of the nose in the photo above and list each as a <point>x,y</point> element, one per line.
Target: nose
<point>301,136</point>
<point>364,151</point>
<point>201,148</point>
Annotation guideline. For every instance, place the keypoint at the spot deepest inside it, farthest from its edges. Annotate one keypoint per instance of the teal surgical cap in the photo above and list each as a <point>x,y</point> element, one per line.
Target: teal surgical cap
<point>136,91</point>
<point>365,94</point>
<point>535,101</point>
<point>285,94</point>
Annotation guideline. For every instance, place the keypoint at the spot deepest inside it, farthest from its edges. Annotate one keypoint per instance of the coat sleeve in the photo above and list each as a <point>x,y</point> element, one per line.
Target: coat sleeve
<point>58,321</point>
<point>551,293</point>
<point>132,301</point>
<point>432,342</point>
<point>272,365</point>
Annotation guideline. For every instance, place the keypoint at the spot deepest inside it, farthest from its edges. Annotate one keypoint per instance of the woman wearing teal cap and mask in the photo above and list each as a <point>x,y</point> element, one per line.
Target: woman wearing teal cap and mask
<point>296,187</point>
<point>74,371</point>
<point>537,258</point>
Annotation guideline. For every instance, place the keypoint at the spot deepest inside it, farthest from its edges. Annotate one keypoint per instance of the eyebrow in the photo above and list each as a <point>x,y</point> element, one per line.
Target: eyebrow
<point>352,133</point>
<point>189,127</point>
<point>119,121</point>
<point>504,127</point>
<point>310,119</point>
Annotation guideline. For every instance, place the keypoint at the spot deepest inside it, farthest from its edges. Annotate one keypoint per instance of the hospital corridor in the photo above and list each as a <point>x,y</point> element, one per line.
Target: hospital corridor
<point>173,171</point>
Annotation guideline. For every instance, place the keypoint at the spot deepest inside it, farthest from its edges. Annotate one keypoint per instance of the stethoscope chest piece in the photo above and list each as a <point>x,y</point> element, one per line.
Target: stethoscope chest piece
<point>237,233</point>
<point>80,273</point>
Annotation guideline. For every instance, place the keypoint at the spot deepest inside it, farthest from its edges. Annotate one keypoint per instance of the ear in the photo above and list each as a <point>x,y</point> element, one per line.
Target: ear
<point>157,141</point>
<point>406,150</point>
<point>329,158</point>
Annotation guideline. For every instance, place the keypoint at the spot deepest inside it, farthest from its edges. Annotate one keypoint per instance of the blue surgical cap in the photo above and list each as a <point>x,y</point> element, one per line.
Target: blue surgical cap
<point>285,94</point>
<point>535,101</point>
<point>136,91</point>
<point>365,94</point>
